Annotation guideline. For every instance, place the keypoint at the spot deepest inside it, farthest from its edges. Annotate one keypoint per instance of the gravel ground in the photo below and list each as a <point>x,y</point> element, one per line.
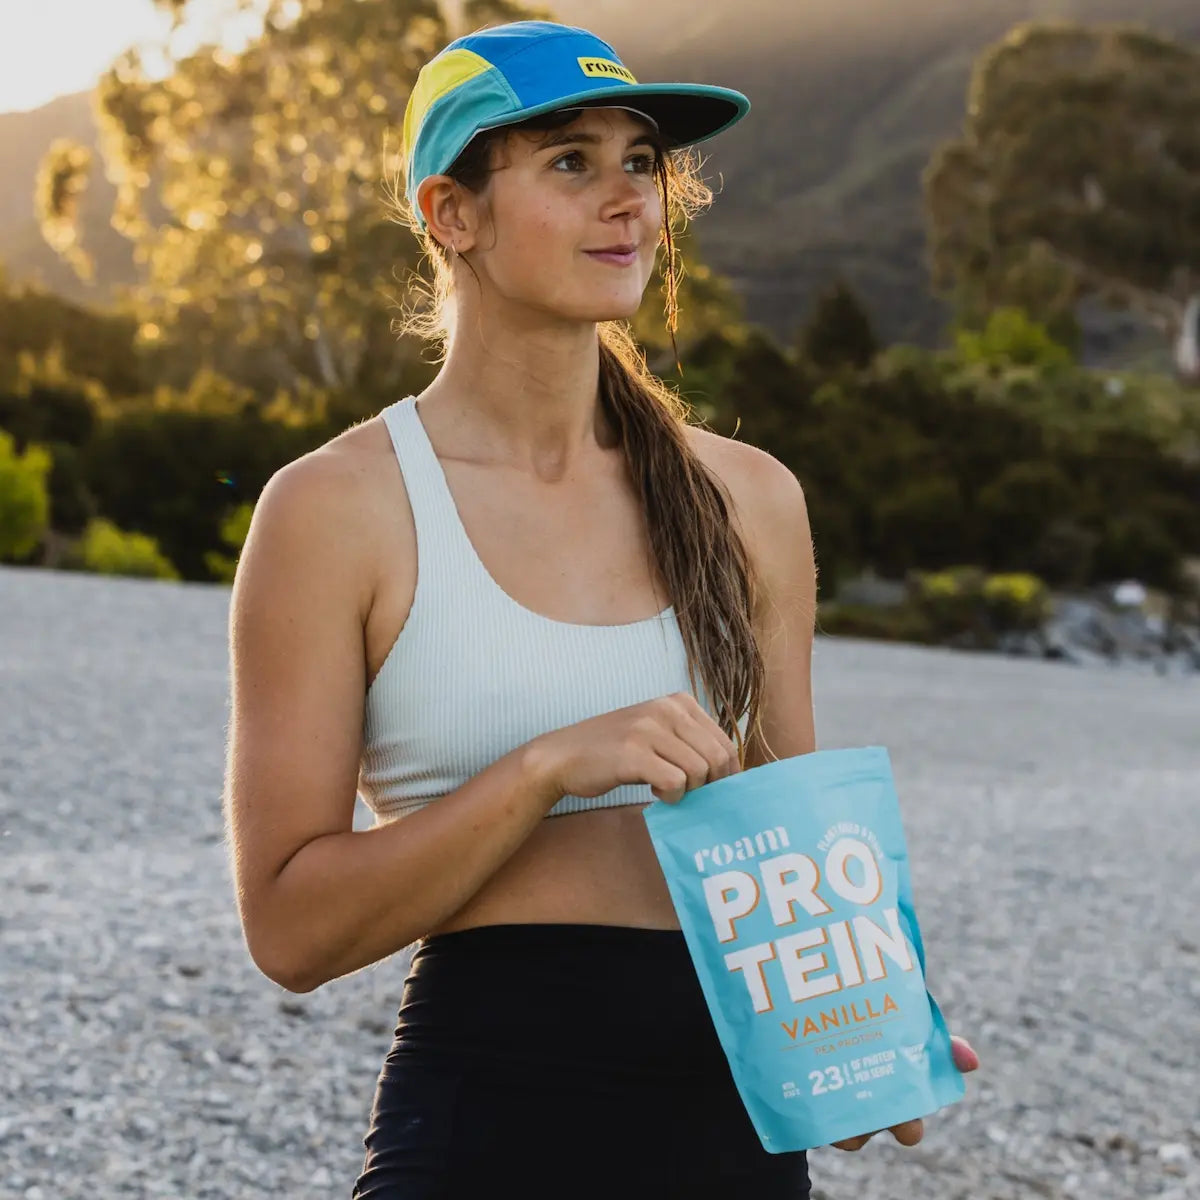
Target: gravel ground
<point>1053,827</point>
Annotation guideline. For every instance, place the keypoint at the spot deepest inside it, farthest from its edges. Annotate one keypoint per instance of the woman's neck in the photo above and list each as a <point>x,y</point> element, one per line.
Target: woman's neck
<point>528,400</point>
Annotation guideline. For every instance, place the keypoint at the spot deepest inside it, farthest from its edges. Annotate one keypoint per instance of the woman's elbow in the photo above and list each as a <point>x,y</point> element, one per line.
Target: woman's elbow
<point>283,961</point>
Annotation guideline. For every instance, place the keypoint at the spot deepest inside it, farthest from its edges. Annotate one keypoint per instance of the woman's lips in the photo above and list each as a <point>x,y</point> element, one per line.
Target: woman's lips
<point>617,260</point>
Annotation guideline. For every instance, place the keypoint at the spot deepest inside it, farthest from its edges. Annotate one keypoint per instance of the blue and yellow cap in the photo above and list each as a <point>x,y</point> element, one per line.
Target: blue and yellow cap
<point>502,75</point>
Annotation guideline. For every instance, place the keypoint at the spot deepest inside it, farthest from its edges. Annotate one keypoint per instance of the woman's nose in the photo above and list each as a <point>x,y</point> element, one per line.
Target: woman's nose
<point>625,195</point>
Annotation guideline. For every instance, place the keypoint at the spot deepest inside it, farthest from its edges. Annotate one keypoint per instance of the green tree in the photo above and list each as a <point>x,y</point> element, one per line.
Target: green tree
<point>254,184</point>
<point>24,498</point>
<point>45,412</point>
<point>1077,174</point>
<point>1017,508</point>
<point>924,524</point>
<point>839,332</point>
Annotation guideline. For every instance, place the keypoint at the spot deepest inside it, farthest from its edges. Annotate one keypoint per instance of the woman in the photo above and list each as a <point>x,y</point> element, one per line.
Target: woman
<point>513,611</point>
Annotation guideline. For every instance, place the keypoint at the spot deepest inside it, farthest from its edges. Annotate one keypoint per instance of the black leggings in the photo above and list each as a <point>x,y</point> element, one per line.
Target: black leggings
<point>564,1061</point>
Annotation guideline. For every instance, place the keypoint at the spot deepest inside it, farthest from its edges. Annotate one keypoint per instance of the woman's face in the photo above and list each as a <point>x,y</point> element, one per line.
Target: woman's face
<point>555,200</point>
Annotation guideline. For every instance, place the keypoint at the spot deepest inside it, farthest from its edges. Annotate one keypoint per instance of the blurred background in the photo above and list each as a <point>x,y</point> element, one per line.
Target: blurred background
<point>951,278</point>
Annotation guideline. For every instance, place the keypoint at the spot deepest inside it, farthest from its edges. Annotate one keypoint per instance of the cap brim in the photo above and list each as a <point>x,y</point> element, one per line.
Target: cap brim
<point>686,113</point>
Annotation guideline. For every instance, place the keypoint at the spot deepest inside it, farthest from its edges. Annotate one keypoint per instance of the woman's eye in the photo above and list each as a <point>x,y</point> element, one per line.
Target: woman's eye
<point>643,163</point>
<point>571,156</point>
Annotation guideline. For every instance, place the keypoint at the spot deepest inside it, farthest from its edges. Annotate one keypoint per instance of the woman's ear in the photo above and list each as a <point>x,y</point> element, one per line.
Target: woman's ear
<point>448,212</point>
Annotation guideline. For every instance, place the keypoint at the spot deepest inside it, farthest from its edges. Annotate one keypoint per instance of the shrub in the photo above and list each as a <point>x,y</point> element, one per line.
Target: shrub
<point>901,623</point>
<point>1135,546</point>
<point>108,550</point>
<point>1011,338</point>
<point>965,606</point>
<point>1063,554</point>
<point>952,602</point>
<point>234,529</point>
<point>24,498</point>
<point>1015,602</point>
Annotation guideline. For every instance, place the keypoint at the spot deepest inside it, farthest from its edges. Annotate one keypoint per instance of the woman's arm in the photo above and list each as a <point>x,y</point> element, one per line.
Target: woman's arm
<point>786,616</point>
<point>770,514</point>
<point>317,899</point>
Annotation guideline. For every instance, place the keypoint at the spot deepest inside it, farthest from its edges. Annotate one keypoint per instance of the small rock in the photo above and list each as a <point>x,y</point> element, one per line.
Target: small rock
<point>143,1125</point>
<point>1175,1153</point>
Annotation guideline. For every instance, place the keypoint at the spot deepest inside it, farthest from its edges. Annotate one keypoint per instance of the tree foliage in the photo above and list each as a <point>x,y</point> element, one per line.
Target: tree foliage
<point>1011,339</point>
<point>254,184</point>
<point>58,193</point>
<point>24,498</point>
<point>839,332</point>
<point>1077,174</point>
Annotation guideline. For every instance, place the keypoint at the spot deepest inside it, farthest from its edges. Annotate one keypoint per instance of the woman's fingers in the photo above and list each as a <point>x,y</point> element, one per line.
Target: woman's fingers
<point>693,725</point>
<point>696,753</point>
<point>689,760</point>
<point>667,781</point>
<point>854,1143</point>
<point>908,1133</point>
<point>965,1058</point>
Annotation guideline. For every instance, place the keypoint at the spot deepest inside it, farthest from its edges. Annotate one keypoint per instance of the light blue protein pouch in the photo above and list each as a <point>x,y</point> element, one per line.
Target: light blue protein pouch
<point>791,884</point>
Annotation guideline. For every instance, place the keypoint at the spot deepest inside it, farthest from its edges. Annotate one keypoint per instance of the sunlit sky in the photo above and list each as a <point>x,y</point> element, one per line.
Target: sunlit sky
<point>48,47</point>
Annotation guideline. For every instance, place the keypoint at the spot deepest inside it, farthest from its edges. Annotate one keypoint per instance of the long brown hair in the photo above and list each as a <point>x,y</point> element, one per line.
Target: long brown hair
<point>703,562</point>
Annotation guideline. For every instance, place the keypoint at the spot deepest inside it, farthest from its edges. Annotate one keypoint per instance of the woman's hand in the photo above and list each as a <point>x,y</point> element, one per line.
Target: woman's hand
<point>670,743</point>
<point>909,1133</point>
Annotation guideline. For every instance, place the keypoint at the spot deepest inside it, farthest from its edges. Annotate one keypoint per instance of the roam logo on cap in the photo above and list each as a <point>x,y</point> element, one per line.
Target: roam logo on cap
<point>605,68</point>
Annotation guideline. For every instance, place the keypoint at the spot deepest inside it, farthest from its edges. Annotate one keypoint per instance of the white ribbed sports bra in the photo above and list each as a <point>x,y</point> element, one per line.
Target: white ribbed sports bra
<point>474,674</point>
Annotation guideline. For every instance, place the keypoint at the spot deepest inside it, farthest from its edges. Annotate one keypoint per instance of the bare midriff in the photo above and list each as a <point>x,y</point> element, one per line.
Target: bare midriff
<point>589,868</point>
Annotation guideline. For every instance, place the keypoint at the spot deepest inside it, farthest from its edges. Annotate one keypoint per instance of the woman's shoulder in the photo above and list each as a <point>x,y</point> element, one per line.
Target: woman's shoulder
<point>767,497</point>
<point>331,481</point>
<point>320,510</point>
<point>344,471</point>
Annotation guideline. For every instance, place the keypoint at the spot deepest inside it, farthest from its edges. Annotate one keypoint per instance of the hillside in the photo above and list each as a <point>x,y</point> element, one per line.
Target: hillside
<point>850,97</point>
